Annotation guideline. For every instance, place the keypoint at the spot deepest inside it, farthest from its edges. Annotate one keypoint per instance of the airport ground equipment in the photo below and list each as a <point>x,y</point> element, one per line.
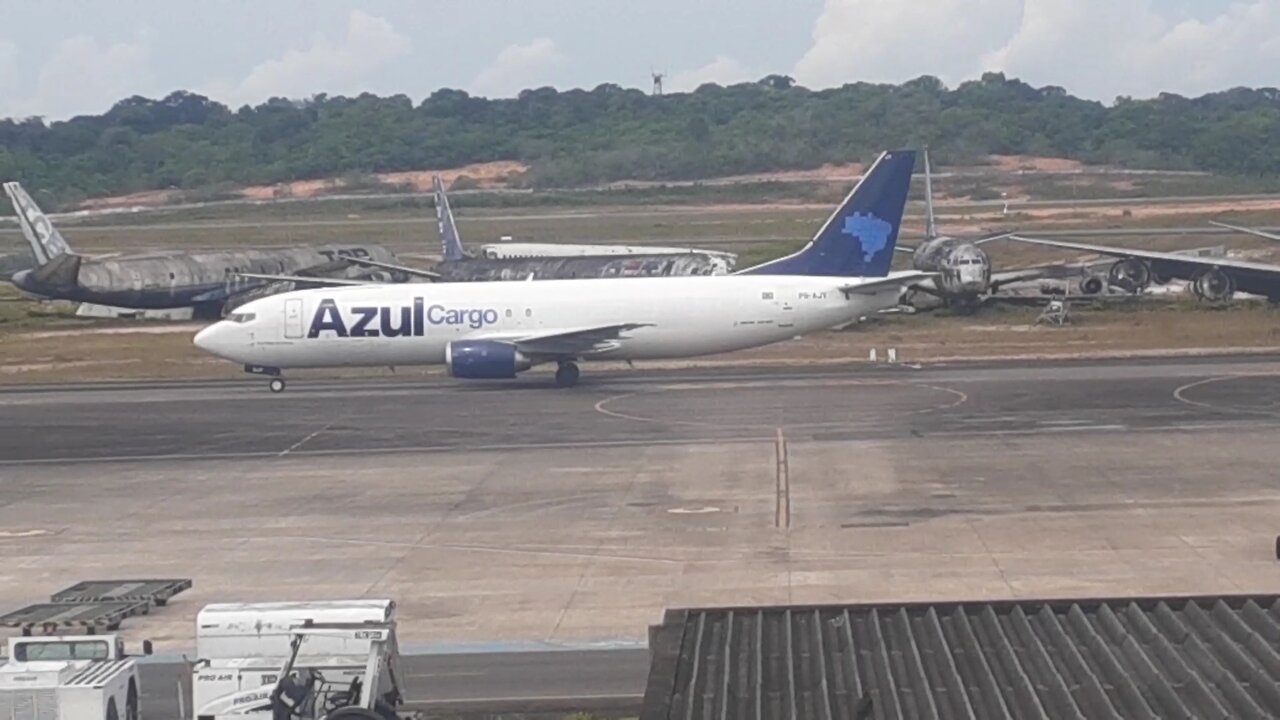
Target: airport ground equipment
<point>93,606</point>
<point>69,677</point>
<point>88,618</point>
<point>1057,312</point>
<point>151,591</point>
<point>302,660</point>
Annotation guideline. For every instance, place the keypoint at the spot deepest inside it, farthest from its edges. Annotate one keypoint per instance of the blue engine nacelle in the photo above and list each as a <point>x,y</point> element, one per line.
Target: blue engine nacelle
<point>484,360</point>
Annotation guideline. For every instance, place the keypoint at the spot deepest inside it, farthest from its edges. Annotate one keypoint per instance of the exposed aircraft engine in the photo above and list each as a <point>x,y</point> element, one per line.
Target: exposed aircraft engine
<point>1131,274</point>
<point>484,360</point>
<point>1214,285</point>
<point>1091,284</point>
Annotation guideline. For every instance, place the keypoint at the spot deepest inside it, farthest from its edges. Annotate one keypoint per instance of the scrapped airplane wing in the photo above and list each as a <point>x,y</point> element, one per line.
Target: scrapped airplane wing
<point>413,272</point>
<point>1037,273</point>
<point>306,279</point>
<point>994,236</point>
<point>1246,230</point>
<point>1171,259</point>
<point>875,285</point>
<point>574,342</point>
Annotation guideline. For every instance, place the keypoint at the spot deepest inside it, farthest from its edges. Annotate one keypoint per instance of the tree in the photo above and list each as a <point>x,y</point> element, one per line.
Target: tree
<point>580,137</point>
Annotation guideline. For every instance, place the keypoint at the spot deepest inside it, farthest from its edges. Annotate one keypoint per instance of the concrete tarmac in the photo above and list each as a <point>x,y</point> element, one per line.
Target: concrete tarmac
<point>225,420</point>
<point>506,516</point>
<point>558,683</point>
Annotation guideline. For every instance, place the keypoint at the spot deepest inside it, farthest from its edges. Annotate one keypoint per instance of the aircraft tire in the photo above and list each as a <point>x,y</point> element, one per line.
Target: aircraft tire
<point>276,385</point>
<point>567,375</point>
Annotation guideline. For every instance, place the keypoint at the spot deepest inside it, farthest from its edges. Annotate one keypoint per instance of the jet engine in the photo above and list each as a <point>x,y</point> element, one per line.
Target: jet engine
<point>1214,285</point>
<point>1131,275</point>
<point>484,360</point>
<point>1091,284</point>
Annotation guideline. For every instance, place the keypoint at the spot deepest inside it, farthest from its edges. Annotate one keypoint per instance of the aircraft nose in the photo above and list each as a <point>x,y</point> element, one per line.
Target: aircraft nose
<point>213,339</point>
<point>19,278</point>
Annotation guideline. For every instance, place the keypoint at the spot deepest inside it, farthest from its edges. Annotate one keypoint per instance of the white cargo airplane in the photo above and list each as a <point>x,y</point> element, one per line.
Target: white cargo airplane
<point>498,329</point>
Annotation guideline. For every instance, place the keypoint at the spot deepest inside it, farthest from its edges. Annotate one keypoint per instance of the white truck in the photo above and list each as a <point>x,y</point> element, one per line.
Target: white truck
<point>305,660</point>
<point>86,677</point>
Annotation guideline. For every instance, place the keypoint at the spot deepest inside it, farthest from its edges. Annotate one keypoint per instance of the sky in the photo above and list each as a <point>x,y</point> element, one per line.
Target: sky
<point>60,58</point>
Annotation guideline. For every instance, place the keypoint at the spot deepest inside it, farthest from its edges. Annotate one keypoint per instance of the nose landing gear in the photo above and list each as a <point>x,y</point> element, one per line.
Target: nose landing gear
<point>276,385</point>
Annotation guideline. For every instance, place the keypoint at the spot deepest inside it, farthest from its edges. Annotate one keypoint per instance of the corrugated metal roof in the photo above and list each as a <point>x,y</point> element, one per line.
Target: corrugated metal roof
<point>1196,657</point>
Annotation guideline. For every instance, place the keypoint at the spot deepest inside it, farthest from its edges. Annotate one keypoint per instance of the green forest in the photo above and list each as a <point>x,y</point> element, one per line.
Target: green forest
<point>584,137</point>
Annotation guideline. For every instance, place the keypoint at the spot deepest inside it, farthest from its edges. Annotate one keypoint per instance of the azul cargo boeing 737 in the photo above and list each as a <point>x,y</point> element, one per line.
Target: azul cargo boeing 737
<point>496,330</point>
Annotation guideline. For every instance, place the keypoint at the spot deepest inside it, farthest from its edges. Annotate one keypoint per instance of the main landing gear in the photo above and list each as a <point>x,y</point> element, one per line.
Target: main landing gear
<point>276,385</point>
<point>567,374</point>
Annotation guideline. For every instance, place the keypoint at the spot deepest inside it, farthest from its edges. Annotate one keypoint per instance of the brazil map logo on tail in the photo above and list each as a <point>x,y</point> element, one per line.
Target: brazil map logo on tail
<point>871,232</point>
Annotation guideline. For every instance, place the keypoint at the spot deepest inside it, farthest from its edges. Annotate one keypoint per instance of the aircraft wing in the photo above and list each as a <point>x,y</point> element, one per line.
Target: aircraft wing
<point>414,272</point>
<point>1035,273</point>
<point>306,279</point>
<point>871,287</point>
<point>994,236</point>
<point>1247,231</point>
<point>1173,260</point>
<point>574,342</point>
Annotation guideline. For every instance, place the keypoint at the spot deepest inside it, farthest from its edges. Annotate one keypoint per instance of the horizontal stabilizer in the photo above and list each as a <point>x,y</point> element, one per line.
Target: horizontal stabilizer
<point>62,271</point>
<point>871,287</point>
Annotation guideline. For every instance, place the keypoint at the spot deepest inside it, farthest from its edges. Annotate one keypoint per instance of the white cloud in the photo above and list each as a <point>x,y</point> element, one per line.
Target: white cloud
<point>338,67</point>
<point>724,70</point>
<point>892,40</point>
<point>1103,48</point>
<point>1094,48</point>
<point>519,67</point>
<point>81,77</point>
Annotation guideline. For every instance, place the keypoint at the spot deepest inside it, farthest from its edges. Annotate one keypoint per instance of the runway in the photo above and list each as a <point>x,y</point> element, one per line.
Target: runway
<point>185,421</point>
<point>500,514</point>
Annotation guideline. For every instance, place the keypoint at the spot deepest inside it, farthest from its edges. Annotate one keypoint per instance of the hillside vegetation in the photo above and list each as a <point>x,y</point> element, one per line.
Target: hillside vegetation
<point>584,137</point>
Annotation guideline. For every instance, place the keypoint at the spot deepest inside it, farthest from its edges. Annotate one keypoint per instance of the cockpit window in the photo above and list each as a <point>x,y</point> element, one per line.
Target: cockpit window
<point>241,317</point>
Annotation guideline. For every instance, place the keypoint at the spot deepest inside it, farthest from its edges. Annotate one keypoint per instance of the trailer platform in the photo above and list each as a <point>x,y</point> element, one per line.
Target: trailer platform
<point>152,592</point>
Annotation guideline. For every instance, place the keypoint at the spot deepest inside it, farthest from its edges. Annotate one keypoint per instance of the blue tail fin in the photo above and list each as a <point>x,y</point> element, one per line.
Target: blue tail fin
<point>858,239</point>
<point>450,242</point>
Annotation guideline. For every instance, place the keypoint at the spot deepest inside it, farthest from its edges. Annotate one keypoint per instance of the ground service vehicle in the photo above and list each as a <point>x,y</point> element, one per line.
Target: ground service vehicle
<point>305,661</point>
<point>83,677</point>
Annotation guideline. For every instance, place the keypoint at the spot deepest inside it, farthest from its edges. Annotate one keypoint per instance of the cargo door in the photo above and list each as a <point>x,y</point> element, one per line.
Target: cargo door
<point>293,319</point>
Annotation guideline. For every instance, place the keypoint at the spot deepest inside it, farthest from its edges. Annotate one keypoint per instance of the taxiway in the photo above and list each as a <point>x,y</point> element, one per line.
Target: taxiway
<point>515,513</point>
